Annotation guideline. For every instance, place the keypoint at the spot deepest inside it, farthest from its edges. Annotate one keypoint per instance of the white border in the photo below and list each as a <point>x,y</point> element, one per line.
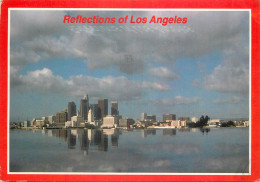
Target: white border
<point>118,9</point>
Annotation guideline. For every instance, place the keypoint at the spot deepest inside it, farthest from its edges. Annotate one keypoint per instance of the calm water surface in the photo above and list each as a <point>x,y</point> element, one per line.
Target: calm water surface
<point>221,150</point>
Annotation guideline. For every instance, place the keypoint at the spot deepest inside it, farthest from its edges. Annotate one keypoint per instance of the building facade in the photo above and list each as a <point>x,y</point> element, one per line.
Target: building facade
<point>90,115</point>
<point>114,108</point>
<point>72,110</point>
<point>84,107</point>
<point>125,122</point>
<point>169,117</point>
<point>143,116</point>
<point>102,108</point>
<point>61,118</point>
<point>52,119</point>
<point>94,108</point>
<point>110,121</point>
<point>77,121</point>
<point>184,118</point>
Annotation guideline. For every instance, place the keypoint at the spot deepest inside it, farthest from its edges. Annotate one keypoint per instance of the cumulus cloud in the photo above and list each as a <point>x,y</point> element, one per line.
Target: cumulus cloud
<point>120,88</point>
<point>41,35</point>
<point>163,72</point>
<point>232,74</point>
<point>228,78</point>
<point>233,100</point>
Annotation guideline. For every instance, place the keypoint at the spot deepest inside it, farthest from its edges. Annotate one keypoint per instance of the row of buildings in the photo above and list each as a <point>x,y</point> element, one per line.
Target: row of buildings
<point>97,115</point>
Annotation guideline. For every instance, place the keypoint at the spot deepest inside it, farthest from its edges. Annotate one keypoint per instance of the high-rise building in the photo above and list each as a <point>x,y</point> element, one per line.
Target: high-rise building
<point>143,117</point>
<point>61,118</point>
<point>52,119</point>
<point>150,118</point>
<point>114,108</point>
<point>72,111</point>
<point>84,107</point>
<point>90,116</point>
<point>94,108</point>
<point>102,108</point>
<point>184,118</point>
<point>169,117</point>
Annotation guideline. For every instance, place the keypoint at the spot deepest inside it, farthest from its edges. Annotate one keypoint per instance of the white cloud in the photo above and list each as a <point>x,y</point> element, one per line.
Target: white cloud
<point>128,51</point>
<point>163,72</point>
<point>230,76</point>
<point>119,88</point>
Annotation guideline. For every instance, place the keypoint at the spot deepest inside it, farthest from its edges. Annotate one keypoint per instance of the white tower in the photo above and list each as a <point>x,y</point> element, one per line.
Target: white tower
<point>90,116</point>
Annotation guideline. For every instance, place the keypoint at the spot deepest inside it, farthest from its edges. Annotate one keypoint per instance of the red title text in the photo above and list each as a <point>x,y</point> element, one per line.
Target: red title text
<point>126,19</point>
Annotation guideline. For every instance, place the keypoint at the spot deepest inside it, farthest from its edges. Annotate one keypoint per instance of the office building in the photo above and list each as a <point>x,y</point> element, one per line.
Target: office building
<point>125,123</point>
<point>94,108</point>
<point>102,108</point>
<point>184,118</point>
<point>52,119</point>
<point>114,108</point>
<point>169,117</point>
<point>61,118</point>
<point>151,118</point>
<point>178,123</point>
<point>110,121</point>
<point>26,124</point>
<point>143,116</point>
<point>84,107</point>
<point>77,121</point>
<point>72,111</point>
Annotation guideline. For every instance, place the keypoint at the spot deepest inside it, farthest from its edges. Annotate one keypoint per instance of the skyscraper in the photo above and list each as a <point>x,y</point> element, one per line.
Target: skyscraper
<point>84,106</point>
<point>169,117</point>
<point>90,116</point>
<point>72,111</point>
<point>102,108</point>
<point>114,108</point>
<point>94,108</point>
<point>143,116</point>
<point>61,118</point>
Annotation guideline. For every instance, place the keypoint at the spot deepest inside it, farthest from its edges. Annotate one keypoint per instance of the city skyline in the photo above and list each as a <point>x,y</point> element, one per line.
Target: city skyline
<point>200,68</point>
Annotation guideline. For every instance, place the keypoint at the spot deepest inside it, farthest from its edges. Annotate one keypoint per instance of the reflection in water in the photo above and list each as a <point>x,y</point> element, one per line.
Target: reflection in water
<point>169,132</point>
<point>184,130</point>
<point>103,146</point>
<point>71,140</point>
<point>86,137</point>
<point>171,150</point>
<point>98,138</point>
<point>115,138</point>
<point>61,133</point>
<point>84,142</point>
<point>146,132</point>
<point>205,130</point>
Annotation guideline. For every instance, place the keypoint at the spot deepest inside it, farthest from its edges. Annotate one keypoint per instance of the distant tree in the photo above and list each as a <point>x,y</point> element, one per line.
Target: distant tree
<point>203,121</point>
<point>224,124</point>
<point>191,125</point>
<point>228,124</point>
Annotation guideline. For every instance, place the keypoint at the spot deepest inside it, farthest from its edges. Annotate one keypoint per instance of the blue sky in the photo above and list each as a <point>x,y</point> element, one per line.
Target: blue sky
<point>193,69</point>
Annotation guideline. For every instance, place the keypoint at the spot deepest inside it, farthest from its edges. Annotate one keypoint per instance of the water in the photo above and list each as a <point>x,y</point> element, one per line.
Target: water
<point>221,150</point>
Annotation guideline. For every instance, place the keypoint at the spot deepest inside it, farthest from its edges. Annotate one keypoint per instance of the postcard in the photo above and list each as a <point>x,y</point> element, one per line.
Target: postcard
<point>126,92</point>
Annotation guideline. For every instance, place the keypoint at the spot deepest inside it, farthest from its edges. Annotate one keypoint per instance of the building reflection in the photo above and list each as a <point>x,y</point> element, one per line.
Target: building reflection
<point>114,139</point>
<point>147,132</point>
<point>61,133</point>
<point>184,130</point>
<point>71,139</point>
<point>103,145</point>
<point>169,132</point>
<point>84,141</point>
